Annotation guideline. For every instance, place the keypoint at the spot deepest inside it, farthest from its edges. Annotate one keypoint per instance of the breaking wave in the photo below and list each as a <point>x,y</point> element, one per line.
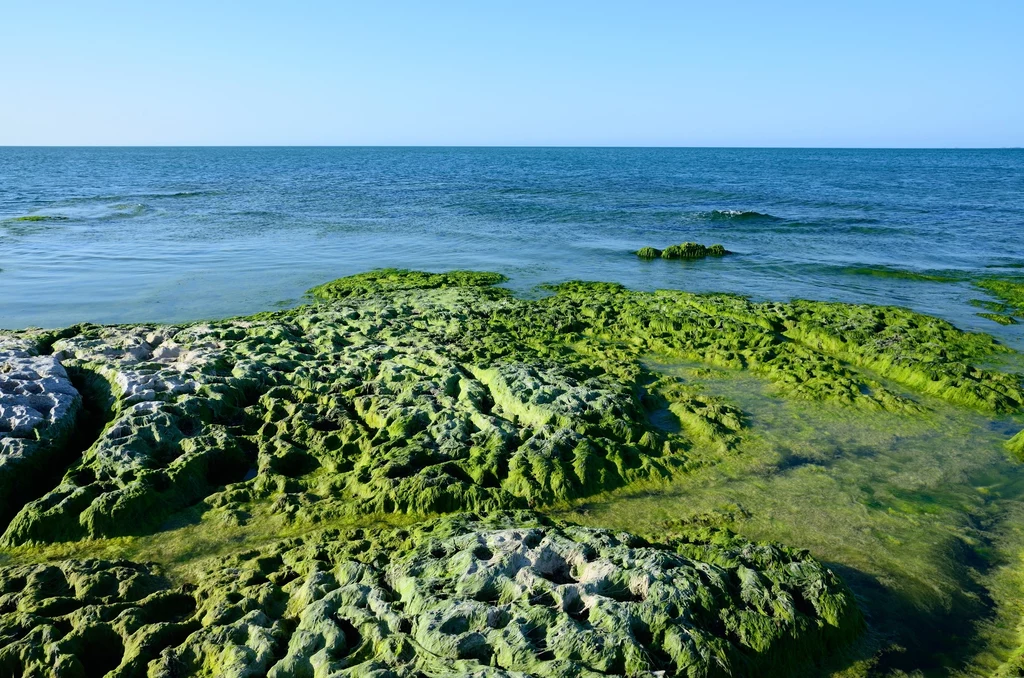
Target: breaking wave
<point>740,215</point>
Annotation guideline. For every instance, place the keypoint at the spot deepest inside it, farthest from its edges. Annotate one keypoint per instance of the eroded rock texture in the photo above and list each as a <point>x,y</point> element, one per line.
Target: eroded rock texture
<point>38,411</point>
<point>509,596</point>
<point>398,392</point>
<point>436,392</point>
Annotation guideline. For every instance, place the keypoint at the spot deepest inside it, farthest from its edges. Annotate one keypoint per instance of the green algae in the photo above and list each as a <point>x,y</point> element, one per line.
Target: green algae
<point>400,394</point>
<point>686,250</point>
<point>1016,445</point>
<point>393,279</point>
<point>890,500</point>
<point>903,274</point>
<point>999,318</point>
<point>1009,290</point>
<point>511,594</point>
<point>39,217</point>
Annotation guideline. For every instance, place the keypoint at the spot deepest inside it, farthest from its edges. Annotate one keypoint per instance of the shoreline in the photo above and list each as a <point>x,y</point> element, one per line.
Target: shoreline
<point>418,394</point>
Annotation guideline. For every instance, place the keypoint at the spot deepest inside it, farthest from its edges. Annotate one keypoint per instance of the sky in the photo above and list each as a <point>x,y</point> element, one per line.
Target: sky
<point>554,73</point>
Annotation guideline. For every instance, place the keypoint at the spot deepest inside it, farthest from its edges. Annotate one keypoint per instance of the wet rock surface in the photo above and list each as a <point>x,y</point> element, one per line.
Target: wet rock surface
<point>510,595</point>
<point>38,410</point>
<point>454,397</point>
<point>686,250</point>
<point>412,393</point>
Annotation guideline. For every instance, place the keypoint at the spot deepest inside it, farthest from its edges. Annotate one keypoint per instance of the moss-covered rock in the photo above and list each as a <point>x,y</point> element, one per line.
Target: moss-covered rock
<point>998,318</point>
<point>1016,445</point>
<point>426,393</point>
<point>89,618</point>
<point>1009,290</point>
<point>393,279</point>
<point>692,250</point>
<point>511,595</point>
<point>686,250</point>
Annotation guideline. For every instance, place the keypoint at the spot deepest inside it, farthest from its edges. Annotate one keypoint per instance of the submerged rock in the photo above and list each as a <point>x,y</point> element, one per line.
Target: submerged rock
<point>1009,290</point>
<point>999,318</point>
<point>1016,445</point>
<point>511,595</point>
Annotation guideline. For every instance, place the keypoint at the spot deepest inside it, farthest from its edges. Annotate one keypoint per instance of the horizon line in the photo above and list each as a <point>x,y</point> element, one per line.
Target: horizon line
<point>528,146</point>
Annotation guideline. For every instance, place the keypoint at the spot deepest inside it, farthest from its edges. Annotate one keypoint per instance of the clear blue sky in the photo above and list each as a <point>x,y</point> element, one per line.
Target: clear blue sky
<point>513,73</point>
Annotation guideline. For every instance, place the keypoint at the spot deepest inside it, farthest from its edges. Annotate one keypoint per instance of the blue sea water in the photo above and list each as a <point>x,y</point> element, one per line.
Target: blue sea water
<point>174,234</point>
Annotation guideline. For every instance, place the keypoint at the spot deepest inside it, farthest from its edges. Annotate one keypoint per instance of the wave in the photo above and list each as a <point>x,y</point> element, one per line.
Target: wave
<point>135,197</point>
<point>739,215</point>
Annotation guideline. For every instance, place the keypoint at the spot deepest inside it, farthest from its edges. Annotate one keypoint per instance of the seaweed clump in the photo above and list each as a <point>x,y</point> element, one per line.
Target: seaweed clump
<point>686,250</point>
<point>40,217</point>
<point>1010,291</point>
<point>394,279</point>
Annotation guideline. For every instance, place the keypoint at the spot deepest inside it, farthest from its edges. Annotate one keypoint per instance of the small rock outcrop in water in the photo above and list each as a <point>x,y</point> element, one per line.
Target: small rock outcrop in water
<point>512,595</point>
<point>686,250</point>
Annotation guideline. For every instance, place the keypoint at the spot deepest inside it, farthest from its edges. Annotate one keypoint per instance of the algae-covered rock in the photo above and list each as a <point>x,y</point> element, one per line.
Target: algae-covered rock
<point>426,393</point>
<point>393,279</point>
<point>1009,290</point>
<point>40,217</point>
<point>39,407</point>
<point>1016,445</point>
<point>686,250</point>
<point>999,318</point>
<point>692,250</point>
<point>510,595</point>
<point>88,618</point>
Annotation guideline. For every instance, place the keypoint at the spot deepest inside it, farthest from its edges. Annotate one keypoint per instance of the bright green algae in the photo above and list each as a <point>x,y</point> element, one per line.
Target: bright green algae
<point>511,595</point>
<point>433,393</point>
<point>686,250</point>
<point>40,217</point>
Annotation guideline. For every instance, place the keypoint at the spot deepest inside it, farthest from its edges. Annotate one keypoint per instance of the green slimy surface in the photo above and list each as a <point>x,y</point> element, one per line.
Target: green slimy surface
<point>1009,290</point>
<point>881,440</point>
<point>686,250</point>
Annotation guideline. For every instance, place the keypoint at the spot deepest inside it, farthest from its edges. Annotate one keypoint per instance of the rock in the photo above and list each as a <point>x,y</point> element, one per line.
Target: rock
<point>510,595</point>
<point>686,250</point>
<point>444,394</point>
<point>39,407</point>
<point>1016,444</point>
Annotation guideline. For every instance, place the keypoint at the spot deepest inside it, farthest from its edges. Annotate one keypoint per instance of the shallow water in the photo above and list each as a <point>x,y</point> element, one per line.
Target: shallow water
<point>170,234</point>
<point>918,512</point>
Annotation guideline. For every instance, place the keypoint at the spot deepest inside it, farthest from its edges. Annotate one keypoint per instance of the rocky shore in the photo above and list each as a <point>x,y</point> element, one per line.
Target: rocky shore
<point>447,400</point>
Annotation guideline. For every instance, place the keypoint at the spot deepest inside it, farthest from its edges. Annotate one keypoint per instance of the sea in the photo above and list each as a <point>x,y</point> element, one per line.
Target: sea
<point>123,235</point>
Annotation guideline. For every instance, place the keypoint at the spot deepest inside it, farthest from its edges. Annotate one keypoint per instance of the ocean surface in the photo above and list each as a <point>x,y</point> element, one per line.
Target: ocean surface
<point>175,234</point>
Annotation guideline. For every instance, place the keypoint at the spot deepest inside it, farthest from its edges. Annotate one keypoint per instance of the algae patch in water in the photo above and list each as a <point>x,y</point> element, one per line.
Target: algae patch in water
<point>1009,290</point>
<point>686,250</point>
<point>282,471</point>
<point>40,217</point>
